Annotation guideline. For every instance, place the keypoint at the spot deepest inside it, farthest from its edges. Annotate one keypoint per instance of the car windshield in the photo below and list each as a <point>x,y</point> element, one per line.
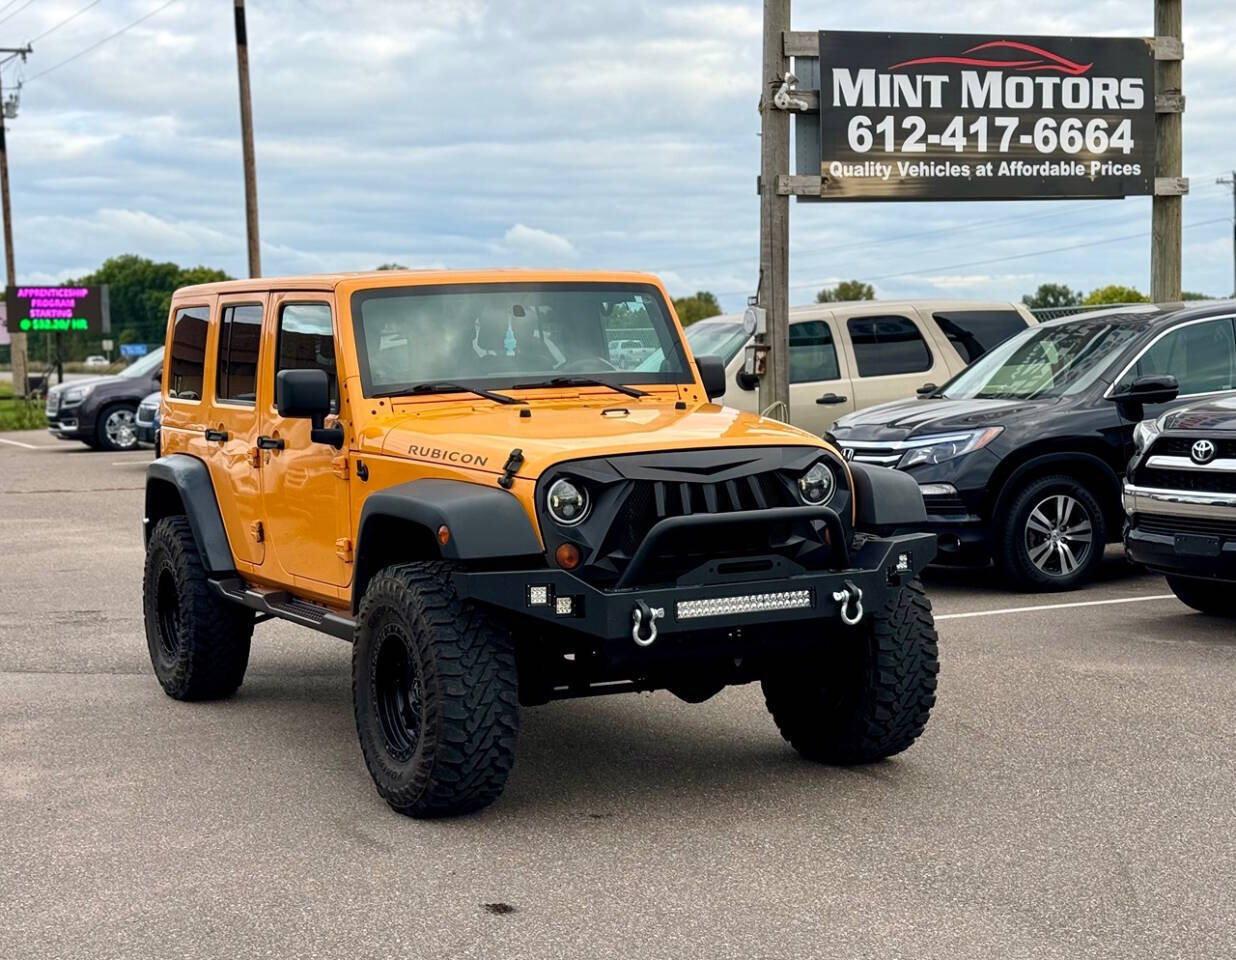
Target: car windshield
<point>1051,360</point>
<point>504,335</point>
<point>144,366</point>
<point>707,338</point>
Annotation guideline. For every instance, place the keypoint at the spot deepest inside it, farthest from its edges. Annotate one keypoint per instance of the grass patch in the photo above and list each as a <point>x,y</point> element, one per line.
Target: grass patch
<point>16,414</point>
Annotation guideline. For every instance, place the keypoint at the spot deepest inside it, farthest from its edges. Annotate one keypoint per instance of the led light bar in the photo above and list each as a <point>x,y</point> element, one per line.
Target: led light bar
<point>750,603</point>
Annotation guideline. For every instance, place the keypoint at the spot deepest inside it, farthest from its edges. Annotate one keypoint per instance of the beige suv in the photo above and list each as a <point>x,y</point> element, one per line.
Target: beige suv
<point>846,356</point>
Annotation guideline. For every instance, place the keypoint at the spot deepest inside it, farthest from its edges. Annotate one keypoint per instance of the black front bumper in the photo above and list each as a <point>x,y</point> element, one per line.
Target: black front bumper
<point>721,597</point>
<point>1181,532</point>
<point>68,425</point>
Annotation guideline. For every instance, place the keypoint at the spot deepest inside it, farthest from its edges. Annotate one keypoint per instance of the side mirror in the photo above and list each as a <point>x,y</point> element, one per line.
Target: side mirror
<point>712,373</point>
<point>1144,390</point>
<point>746,381</point>
<point>305,394</point>
<point>927,389</point>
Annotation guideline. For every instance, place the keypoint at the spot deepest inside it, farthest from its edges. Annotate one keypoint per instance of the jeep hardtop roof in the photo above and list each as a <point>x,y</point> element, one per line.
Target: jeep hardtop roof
<point>386,278</point>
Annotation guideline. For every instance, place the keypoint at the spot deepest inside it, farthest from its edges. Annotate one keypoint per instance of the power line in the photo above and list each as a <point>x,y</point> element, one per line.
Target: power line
<point>72,16</point>
<point>7,5</point>
<point>16,12</point>
<point>96,45</point>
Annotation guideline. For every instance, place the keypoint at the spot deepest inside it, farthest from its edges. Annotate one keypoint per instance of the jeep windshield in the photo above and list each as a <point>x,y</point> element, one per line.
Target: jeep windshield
<point>716,338</point>
<point>1047,361</point>
<point>505,336</point>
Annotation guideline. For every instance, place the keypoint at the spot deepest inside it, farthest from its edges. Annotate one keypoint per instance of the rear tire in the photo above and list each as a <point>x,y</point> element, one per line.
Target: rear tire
<point>873,698</point>
<point>1215,597</point>
<point>436,693</point>
<point>1052,536</point>
<point>198,641</point>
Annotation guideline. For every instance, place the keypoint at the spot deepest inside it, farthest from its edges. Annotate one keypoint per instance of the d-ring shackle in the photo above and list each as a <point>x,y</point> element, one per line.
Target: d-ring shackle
<point>851,594</point>
<point>645,614</point>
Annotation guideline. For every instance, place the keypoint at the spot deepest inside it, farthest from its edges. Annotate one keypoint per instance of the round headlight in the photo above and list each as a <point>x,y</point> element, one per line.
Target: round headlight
<point>567,502</point>
<point>817,485</point>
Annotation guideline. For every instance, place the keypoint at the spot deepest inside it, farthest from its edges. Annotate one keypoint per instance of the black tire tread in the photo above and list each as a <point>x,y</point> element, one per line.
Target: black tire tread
<point>1214,597</point>
<point>216,633</point>
<point>471,694</point>
<point>893,706</point>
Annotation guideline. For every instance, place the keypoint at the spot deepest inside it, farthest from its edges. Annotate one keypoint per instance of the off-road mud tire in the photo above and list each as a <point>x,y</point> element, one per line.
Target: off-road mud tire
<point>198,641</point>
<point>446,745</point>
<point>869,694</point>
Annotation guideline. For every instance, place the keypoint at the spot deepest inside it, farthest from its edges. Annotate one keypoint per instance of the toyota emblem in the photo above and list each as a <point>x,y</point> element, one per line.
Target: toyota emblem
<point>1203,451</point>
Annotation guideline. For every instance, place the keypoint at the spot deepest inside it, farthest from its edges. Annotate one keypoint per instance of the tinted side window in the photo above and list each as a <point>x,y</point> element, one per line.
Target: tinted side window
<point>812,353</point>
<point>188,353</point>
<point>307,342</point>
<point>240,331</point>
<point>1201,356</point>
<point>973,332</point>
<point>888,345</point>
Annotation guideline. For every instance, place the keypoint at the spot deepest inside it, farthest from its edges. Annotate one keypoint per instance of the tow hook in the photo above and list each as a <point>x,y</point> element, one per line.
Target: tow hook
<point>644,614</point>
<point>851,594</point>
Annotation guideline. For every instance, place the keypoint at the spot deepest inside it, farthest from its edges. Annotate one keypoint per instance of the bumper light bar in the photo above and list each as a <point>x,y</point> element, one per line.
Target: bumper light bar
<point>751,603</point>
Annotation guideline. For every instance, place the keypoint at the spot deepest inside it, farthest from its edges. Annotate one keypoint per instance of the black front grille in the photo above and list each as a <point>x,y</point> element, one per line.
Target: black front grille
<point>1198,481</point>
<point>1183,446</point>
<point>944,505</point>
<point>1170,526</point>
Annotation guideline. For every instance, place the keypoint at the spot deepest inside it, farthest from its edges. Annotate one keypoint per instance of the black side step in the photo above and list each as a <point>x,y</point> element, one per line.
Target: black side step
<point>281,604</point>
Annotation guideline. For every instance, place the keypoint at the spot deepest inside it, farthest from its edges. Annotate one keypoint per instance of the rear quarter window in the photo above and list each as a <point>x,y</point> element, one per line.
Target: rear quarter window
<point>188,361</point>
<point>974,332</point>
<point>888,345</point>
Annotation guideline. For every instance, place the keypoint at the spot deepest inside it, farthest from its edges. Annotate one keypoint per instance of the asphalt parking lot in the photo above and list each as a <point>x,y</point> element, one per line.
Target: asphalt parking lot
<point>1073,796</point>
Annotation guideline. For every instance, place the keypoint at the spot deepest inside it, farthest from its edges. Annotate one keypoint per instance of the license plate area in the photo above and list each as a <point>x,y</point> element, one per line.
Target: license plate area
<point>1198,546</point>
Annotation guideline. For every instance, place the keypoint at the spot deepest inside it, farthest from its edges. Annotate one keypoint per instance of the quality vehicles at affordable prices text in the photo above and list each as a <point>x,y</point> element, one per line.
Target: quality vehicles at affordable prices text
<point>1180,497</point>
<point>1020,457</point>
<point>449,470</point>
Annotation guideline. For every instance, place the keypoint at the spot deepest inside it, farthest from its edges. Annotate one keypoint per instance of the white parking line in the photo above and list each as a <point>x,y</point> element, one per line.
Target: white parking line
<point>1053,606</point>
<point>18,443</point>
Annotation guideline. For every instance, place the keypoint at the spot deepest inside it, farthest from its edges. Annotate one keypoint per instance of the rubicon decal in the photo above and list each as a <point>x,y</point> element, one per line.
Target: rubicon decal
<point>930,116</point>
<point>447,456</point>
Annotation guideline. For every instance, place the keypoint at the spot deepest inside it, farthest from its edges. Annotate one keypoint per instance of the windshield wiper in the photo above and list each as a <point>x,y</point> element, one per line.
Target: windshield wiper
<point>441,386</point>
<point>581,382</point>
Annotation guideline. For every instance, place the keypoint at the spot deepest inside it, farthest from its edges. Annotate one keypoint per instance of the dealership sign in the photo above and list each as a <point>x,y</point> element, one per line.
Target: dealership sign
<point>909,116</point>
<point>57,310</point>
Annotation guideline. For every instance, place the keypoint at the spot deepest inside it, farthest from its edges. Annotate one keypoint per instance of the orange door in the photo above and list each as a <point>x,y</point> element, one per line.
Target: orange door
<point>232,423</point>
<point>304,484</point>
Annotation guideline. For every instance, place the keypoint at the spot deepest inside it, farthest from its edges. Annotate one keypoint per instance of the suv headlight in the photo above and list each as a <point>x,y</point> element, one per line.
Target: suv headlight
<point>73,396</point>
<point>567,502</point>
<point>942,448</point>
<point>1144,434</point>
<point>818,484</point>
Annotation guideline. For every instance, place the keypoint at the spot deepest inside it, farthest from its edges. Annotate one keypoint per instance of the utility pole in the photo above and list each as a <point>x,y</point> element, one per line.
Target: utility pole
<point>1165,249</point>
<point>774,291</point>
<point>1232,181</point>
<point>16,337</point>
<point>246,137</point>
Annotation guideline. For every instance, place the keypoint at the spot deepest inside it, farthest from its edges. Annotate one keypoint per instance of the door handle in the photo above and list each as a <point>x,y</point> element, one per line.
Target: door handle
<point>269,443</point>
<point>216,436</point>
<point>831,398</point>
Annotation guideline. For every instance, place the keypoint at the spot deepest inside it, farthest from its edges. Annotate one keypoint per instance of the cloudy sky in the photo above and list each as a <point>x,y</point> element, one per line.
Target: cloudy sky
<point>463,133</point>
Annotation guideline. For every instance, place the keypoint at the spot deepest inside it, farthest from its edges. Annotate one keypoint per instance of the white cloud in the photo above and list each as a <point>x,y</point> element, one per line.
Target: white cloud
<point>531,240</point>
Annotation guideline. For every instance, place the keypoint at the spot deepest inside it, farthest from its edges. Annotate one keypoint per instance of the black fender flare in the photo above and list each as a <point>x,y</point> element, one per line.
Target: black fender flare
<point>484,522</point>
<point>1109,499</point>
<point>886,498</point>
<point>179,476</point>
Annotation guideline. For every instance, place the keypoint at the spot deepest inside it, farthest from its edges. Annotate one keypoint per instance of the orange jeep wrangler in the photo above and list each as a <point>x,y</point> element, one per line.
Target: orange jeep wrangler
<point>451,472</point>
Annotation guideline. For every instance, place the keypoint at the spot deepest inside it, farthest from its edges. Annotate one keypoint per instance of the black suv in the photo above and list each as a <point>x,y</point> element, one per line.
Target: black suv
<point>101,412</point>
<point>1020,456</point>
<point>1180,497</point>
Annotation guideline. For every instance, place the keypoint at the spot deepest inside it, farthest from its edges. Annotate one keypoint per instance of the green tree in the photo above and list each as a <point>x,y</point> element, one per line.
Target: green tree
<point>1115,293</point>
<point>1052,295</point>
<point>846,291</point>
<point>698,306</point>
<point>140,293</point>
<point>390,266</point>
<point>1192,295</point>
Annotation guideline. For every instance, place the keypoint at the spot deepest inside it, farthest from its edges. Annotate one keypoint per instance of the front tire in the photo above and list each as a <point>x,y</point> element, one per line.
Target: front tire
<point>1052,536</point>
<point>873,696</point>
<point>436,693</point>
<point>116,428</point>
<point>1215,597</point>
<point>198,641</point>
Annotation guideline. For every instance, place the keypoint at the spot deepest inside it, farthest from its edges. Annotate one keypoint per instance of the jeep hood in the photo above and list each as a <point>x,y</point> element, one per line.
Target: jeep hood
<point>482,436</point>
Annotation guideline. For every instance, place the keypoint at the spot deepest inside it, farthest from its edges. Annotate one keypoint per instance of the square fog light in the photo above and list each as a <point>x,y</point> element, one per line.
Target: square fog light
<point>538,596</point>
<point>564,606</point>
